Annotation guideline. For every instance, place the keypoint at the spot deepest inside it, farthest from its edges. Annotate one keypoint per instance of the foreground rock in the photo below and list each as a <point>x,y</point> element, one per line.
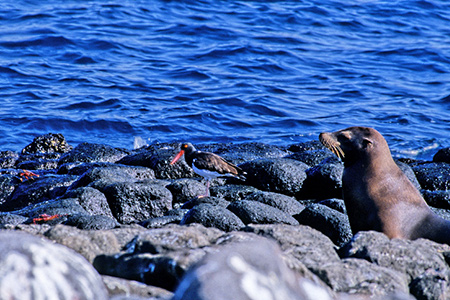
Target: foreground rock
<point>139,222</point>
<point>33,268</point>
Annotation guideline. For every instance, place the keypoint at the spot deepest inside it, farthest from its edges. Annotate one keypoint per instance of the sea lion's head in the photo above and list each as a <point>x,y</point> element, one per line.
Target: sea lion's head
<point>354,143</point>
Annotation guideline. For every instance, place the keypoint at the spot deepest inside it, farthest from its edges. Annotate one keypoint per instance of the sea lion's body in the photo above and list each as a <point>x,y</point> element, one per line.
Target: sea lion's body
<point>377,194</point>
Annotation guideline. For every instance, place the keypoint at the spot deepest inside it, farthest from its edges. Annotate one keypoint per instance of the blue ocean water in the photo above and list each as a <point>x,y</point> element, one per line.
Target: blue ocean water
<point>205,71</point>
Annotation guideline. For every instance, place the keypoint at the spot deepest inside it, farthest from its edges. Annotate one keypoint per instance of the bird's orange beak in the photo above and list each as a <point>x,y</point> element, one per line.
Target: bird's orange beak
<point>180,154</point>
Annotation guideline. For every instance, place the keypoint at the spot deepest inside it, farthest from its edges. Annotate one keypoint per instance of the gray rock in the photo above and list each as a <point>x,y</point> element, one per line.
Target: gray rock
<point>260,213</point>
<point>284,203</point>
<point>13,219</point>
<point>89,152</point>
<point>432,284</point>
<point>336,204</point>
<point>357,276</point>
<point>62,207</point>
<point>137,201</point>
<point>160,222</point>
<point>330,222</point>
<point>210,200</point>
<point>246,270</point>
<point>307,245</point>
<point>433,176</point>
<point>312,157</point>
<point>213,216</point>
<point>129,288</point>
<point>8,159</point>
<point>281,175</point>
<point>8,183</point>
<point>33,268</point>
<point>412,258</point>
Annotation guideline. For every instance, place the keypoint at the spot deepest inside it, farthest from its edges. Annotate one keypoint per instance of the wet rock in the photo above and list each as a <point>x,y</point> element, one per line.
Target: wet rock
<point>324,180</point>
<point>330,222</point>
<point>93,222</point>
<point>137,201</point>
<point>357,276</point>
<point>37,190</point>
<point>284,203</point>
<point>92,200</point>
<point>412,258</point>
<point>48,143</point>
<point>129,288</point>
<point>8,159</point>
<point>213,216</point>
<point>439,199</point>
<point>433,176</point>
<point>443,155</point>
<point>246,270</point>
<point>260,213</point>
<point>62,207</point>
<point>210,200</point>
<point>307,146</point>
<point>232,192</point>
<point>88,152</point>
<point>185,189</point>
<point>285,176</point>
<point>23,256</point>
<point>79,168</point>
<point>39,164</point>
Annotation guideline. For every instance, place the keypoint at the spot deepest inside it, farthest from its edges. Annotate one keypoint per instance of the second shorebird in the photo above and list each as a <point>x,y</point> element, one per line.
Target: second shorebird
<point>208,165</point>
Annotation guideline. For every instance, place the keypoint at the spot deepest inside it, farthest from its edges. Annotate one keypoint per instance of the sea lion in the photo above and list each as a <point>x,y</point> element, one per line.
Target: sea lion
<point>377,194</point>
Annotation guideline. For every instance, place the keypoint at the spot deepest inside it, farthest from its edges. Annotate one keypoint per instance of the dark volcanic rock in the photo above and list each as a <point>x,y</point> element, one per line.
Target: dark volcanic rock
<point>285,176</point>
<point>432,284</point>
<point>433,176</point>
<point>38,190</point>
<point>443,155</point>
<point>213,216</point>
<point>440,199</point>
<point>13,219</point>
<point>8,159</point>
<point>100,177</point>
<point>62,272</point>
<point>185,189</point>
<point>336,204</point>
<point>307,146</point>
<point>88,152</point>
<point>330,222</point>
<point>92,200</point>
<point>311,157</point>
<point>48,143</point>
<point>122,289</point>
<point>285,203</point>
<point>232,192</point>
<point>210,200</point>
<point>239,153</point>
<point>246,270</point>
<point>324,181</point>
<point>158,158</point>
<point>137,201</point>
<point>8,183</point>
<point>62,207</point>
<point>96,222</point>
<point>260,213</point>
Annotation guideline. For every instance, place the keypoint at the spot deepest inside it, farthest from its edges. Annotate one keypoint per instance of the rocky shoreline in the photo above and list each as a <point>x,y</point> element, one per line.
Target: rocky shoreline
<point>97,222</point>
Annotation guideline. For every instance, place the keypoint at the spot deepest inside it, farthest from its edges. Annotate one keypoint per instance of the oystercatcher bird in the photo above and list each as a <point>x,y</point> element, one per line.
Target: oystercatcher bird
<point>208,165</point>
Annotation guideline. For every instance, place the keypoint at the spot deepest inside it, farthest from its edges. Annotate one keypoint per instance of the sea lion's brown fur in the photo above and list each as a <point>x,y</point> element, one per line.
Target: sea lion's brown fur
<point>377,195</point>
